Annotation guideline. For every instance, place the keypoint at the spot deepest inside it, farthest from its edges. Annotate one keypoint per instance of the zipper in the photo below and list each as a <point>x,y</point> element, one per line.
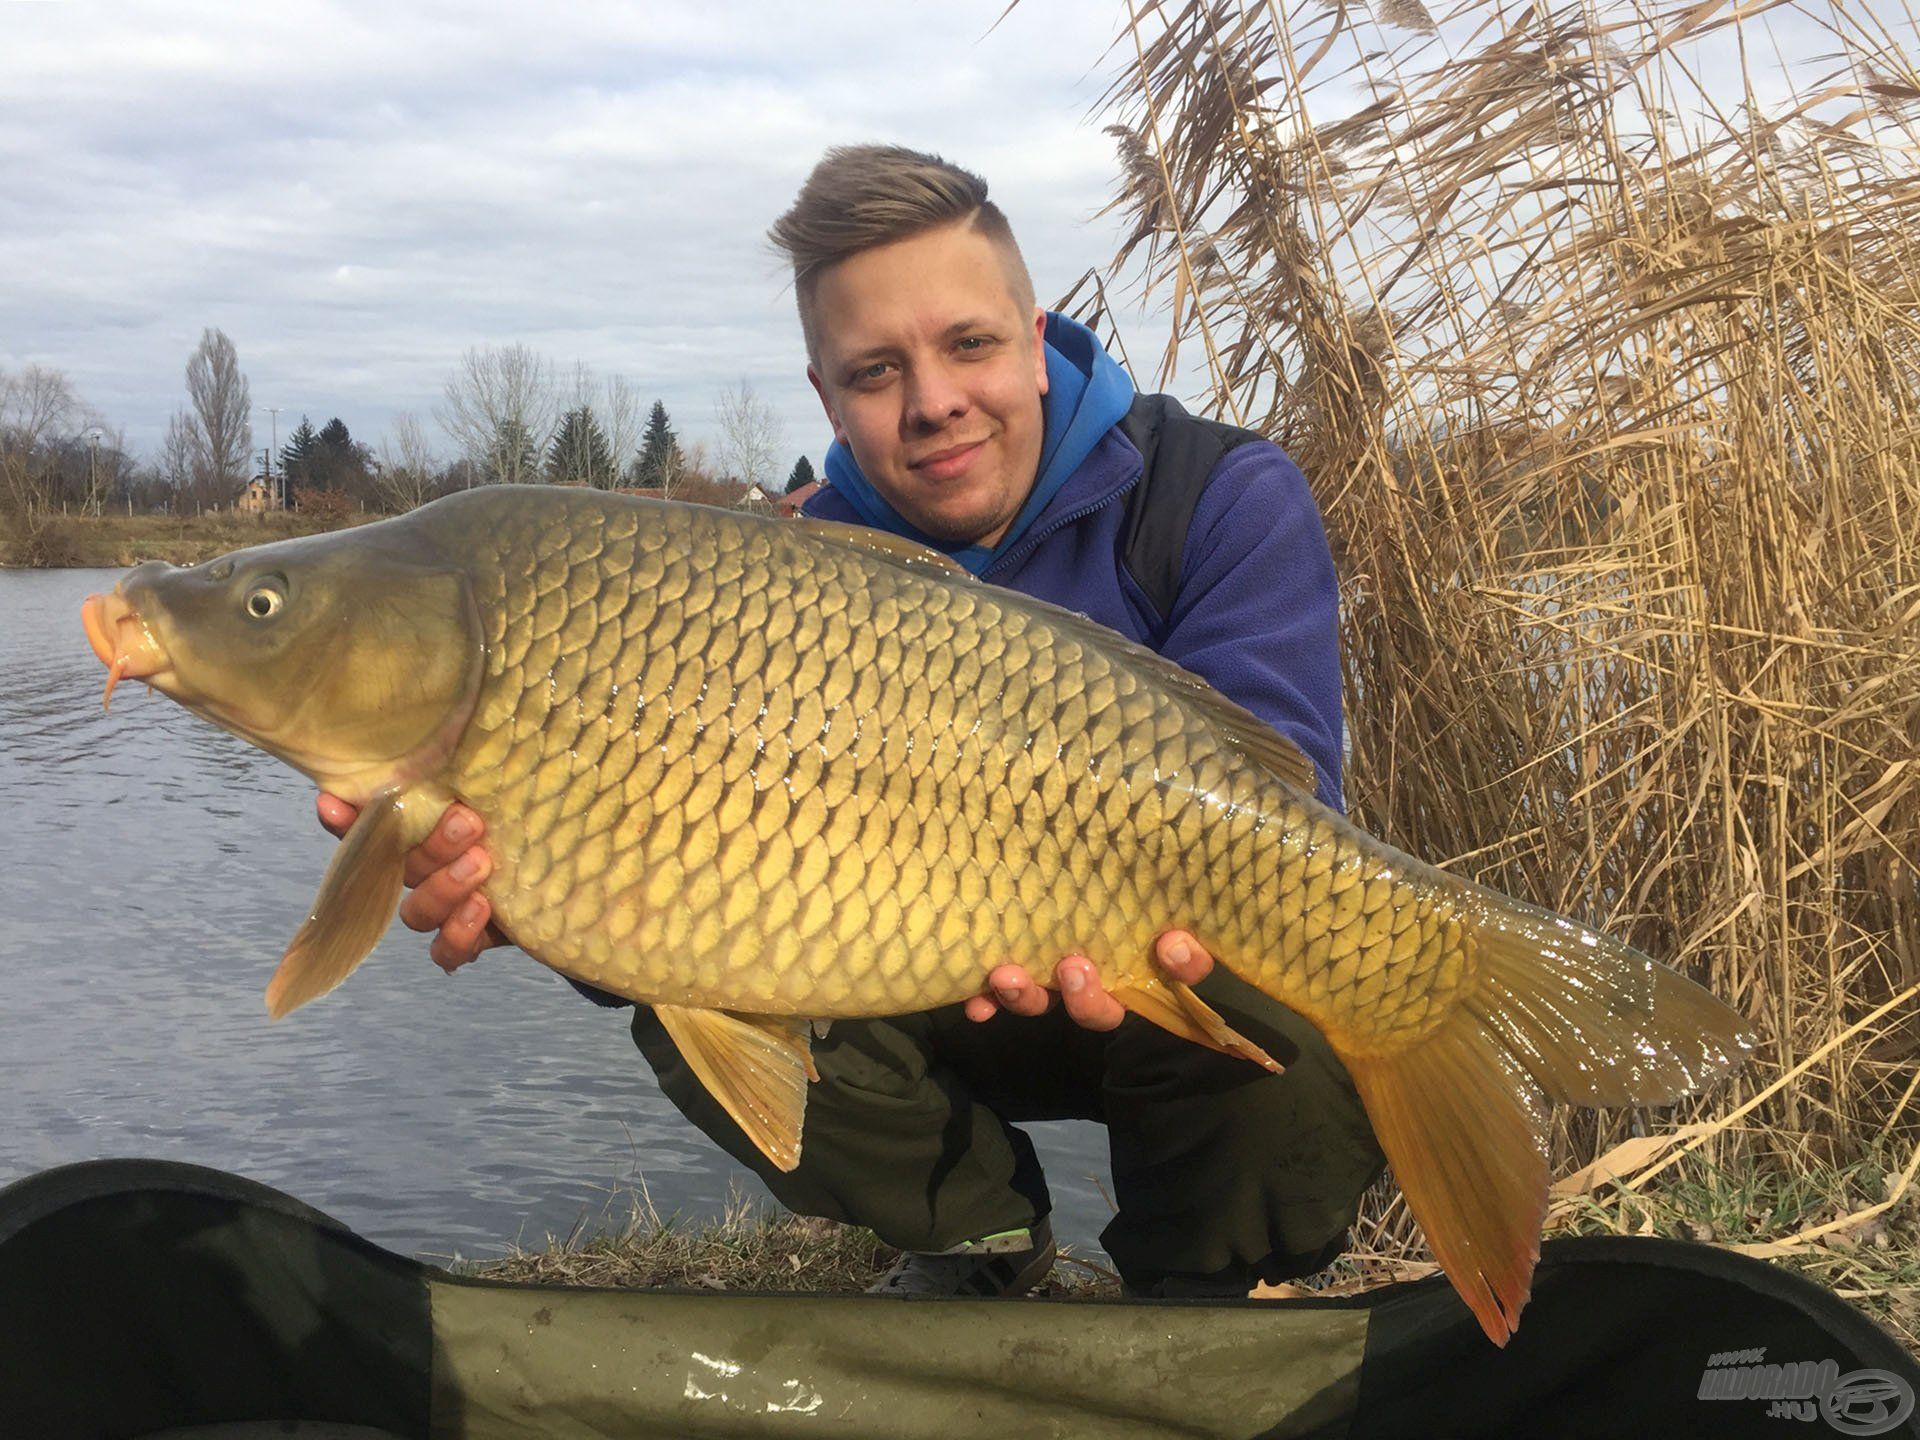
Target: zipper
<point>1031,541</point>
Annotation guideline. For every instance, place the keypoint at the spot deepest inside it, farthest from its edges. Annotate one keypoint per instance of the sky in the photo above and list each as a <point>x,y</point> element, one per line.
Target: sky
<point>355,193</point>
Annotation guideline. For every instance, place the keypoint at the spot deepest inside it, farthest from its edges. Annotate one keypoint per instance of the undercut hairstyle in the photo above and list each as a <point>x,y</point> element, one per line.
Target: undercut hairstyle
<point>860,197</point>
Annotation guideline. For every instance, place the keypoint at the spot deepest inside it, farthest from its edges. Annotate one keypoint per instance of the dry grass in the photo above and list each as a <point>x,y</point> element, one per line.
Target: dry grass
<point>113,541</point>
<point>1597,330</point>
<point>746,1248</point>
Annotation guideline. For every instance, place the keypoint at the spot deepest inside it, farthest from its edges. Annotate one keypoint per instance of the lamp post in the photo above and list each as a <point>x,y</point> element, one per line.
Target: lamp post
<point>274,412</point>
<point>93,469</point>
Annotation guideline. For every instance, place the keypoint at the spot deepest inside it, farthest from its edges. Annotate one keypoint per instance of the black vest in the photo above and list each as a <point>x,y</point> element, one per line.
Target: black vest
<point>1178,452</point>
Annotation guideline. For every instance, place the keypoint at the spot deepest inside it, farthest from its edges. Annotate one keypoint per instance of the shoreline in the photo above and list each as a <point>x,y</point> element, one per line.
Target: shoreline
<point>114,542</point>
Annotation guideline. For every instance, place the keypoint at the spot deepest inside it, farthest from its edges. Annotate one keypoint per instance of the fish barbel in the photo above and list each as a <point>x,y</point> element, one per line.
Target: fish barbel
<point>758,773</point>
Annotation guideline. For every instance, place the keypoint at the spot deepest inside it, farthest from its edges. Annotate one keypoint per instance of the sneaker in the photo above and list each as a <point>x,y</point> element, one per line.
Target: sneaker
<point>1010,1263</point>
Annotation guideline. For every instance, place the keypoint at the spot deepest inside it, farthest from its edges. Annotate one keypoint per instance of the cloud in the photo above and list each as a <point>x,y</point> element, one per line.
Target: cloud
<point>355,193</point>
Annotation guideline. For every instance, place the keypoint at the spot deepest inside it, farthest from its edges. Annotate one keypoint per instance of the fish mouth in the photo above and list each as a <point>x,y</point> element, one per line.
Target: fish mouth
<point>122,640</point>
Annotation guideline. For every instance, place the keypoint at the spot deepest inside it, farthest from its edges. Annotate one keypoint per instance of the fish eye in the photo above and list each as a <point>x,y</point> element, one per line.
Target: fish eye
<point>264,602</point>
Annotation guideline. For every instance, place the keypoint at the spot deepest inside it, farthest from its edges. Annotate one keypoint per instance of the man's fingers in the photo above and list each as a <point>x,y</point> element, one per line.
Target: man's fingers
<point>1090,1006</point>
<point>1181,957</point>
<point>336,815</point>
<point>464,935</point>
<point>1009,988</point>
<point>1015,991</point>
<point>458,828</point>
<point>436,901</point>
<point>1088,1002</point>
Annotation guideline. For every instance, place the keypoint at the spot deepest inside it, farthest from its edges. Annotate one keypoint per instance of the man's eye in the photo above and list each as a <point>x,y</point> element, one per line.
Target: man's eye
<point>866,373</point>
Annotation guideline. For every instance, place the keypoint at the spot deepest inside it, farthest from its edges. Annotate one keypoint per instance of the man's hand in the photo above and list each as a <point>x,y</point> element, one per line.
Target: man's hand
<point>1011,988</point>
<point>444,873</point>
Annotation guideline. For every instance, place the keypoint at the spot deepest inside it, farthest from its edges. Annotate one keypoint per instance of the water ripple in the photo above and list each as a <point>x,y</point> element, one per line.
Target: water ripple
<point>152,868</point>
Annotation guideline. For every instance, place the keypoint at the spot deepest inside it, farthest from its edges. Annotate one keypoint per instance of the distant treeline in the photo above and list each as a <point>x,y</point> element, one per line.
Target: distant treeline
<point>510,416</point>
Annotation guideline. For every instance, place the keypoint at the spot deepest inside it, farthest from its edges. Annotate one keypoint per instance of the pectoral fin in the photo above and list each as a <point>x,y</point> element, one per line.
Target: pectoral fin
<point>355,904</point>
<point>757,1066</point>
<point>1172,1005</point>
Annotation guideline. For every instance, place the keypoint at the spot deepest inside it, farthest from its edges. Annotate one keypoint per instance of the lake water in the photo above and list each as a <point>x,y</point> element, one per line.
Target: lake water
<point>152,868</point>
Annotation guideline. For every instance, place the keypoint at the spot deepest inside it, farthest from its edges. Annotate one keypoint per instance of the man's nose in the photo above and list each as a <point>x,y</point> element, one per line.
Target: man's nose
<point>934,396</point>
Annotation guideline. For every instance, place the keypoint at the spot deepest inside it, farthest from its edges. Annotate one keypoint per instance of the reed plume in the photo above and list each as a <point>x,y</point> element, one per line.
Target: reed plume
<point>1596,329</point>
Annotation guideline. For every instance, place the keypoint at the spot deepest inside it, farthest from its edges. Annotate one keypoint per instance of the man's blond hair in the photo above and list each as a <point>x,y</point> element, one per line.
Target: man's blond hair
<point>863,196</point>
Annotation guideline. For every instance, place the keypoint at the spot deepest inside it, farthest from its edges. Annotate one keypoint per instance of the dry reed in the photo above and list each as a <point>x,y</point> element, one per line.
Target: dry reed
<point>1598,333</point>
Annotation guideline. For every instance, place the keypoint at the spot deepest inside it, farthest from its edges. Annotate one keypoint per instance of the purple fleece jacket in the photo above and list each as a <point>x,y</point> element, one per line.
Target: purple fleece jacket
<point>1257,610</point>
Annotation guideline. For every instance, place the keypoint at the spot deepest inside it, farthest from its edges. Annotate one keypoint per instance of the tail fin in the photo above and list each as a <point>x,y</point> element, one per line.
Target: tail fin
<point>1556,1008</point>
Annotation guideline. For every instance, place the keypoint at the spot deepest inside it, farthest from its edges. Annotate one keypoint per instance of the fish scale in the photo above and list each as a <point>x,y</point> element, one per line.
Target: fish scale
<point>759,772</point>
<point>1005,758</point>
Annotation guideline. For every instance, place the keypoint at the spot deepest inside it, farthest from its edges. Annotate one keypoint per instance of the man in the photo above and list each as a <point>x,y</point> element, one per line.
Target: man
<point>967,418</point>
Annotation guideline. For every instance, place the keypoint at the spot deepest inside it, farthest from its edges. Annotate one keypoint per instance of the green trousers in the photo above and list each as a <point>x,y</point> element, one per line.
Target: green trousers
<point>1222,1172</point>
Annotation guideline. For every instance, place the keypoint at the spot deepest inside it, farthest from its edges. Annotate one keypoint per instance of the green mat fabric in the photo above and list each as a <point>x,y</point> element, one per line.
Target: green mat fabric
<point>139,1298</point>
<point>527,1363</point>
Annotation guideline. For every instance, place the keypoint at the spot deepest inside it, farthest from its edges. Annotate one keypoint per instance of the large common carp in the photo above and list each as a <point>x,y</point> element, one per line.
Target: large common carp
<point>759,773</point>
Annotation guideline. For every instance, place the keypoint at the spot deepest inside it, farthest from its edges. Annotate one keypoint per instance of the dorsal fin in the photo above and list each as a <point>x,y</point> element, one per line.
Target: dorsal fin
<point>895,549</point>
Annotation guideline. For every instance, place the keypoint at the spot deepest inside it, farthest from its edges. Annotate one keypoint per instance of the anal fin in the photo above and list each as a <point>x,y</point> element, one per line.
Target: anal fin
<point>1172,1005</point>
<point>756,1066</point>
<point>355,905</point>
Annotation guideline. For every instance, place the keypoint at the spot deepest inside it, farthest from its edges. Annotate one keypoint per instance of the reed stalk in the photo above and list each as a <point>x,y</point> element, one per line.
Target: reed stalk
<point>1597,330</point>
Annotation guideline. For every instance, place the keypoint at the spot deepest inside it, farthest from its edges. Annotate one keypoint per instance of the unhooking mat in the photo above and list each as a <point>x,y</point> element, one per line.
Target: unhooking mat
<point>145,1298</point>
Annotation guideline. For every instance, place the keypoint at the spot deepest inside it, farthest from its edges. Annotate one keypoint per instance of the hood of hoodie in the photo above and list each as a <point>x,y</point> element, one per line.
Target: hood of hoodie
<point>1087,394</point>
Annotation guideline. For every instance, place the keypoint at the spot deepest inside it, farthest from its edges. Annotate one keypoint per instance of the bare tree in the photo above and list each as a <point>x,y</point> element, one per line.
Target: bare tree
<point>37,404</point>
<point>180,464</point>
<point>501,391</point>
<point>751,438</point>
<point>622,415</point>
<point>690,474</point>
<point>406,477</point>
<point>222,410</point>
<point>617,410</point>
<point>114,473</point>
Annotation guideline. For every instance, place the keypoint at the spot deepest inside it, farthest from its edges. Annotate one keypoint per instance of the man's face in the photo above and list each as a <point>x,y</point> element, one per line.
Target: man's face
<point>931,370</point>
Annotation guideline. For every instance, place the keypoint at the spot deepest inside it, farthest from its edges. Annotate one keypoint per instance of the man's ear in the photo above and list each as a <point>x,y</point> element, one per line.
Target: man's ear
<point>820,389</point>
<point>1040,348</point>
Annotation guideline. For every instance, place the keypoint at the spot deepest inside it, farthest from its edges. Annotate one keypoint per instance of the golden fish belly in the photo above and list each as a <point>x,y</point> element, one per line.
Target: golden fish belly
<point>722,768</point>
